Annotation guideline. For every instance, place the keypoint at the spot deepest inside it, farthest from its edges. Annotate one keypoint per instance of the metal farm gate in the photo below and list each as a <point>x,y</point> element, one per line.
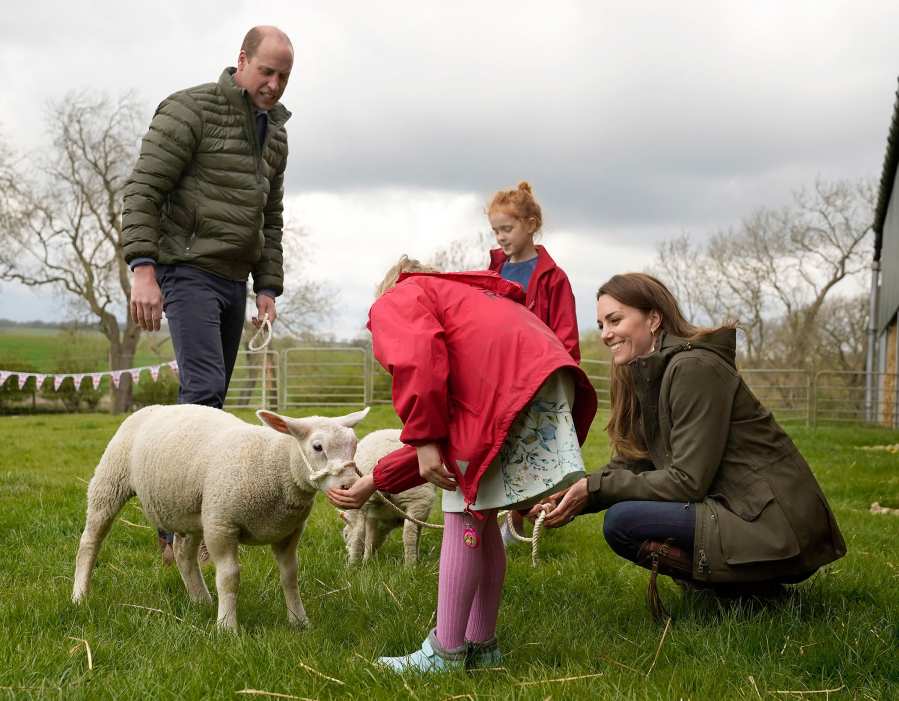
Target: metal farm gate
<point>325,377</point>
<point>350,376</point>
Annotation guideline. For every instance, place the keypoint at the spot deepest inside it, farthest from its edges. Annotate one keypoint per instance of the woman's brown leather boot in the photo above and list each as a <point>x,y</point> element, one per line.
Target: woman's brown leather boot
<point>662,558</point>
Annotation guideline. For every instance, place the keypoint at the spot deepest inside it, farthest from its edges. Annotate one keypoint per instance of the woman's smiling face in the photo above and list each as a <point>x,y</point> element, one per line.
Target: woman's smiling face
<point>627,331</point>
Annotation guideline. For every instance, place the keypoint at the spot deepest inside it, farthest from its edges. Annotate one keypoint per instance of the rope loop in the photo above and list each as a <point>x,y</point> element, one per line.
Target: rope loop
<point>264,328</point>
<point>534,540</point>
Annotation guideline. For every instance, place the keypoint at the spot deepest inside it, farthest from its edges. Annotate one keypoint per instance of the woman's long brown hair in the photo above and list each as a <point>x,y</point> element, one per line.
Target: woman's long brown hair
<point>646,293</point>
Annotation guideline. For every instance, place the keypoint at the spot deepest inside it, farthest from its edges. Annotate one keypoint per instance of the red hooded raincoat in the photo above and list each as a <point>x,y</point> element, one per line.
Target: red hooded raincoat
<point>466,356</point>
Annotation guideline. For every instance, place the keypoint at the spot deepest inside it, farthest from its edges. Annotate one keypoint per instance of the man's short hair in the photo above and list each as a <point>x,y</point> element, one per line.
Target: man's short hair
<point>255,36</point>
<point>251,42</point>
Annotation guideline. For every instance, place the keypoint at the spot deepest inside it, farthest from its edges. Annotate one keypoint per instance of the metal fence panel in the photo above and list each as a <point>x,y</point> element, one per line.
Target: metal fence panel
<point>255,381</point>
<point>786,392</point>
<point>316,376</point>
<point>350,376</point>
<point>600,374</point>
<point>379,382</point>
<point>840,398</point>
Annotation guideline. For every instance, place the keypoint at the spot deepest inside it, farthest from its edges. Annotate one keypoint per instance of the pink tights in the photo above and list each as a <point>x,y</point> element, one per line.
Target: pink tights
<point>471,580</point>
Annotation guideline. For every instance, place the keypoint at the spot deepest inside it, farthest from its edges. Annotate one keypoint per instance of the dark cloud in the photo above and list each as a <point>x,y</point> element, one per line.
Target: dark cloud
<point>632,122</point>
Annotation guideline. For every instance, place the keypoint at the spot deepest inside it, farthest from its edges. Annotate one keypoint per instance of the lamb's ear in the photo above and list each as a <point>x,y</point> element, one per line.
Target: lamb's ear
<point>351,420</point>
<point>273,420</point>
<point>298,428</point>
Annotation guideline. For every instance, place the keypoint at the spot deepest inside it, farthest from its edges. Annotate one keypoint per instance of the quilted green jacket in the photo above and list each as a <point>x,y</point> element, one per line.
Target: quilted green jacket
<point>204,192</point>
<point>760,513</point>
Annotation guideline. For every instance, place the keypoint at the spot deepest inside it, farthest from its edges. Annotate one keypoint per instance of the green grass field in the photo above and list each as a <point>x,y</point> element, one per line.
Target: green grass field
<point>574,628</point>
<point>44,349</point>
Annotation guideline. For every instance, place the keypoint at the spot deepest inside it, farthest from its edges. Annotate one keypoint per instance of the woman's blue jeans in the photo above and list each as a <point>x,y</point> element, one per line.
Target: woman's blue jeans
<point>628,524</point>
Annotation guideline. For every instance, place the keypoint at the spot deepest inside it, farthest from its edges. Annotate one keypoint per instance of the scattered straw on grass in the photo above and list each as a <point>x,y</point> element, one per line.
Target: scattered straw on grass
<point>894,448</point>
<point>273,694</point>
<point>409,689</point>
<point>560,680</point>
<point>755,686</point>
<point>812,691</point>
<point>323,676</point>
<point>659,648</point>
<point>135,525</point>
<point>333,591</point>
<point>87,649</point>
<point>364,659</point>
<point>876,508</point>
<point>392,595</point>
<point>147,608</point>
<point>620,664</point>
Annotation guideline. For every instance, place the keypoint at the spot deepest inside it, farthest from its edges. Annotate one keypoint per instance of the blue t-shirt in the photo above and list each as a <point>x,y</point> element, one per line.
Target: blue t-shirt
<point>519,272</point>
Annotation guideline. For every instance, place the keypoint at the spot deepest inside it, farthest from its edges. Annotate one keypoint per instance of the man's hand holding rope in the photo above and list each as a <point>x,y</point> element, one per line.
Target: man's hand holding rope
<point>265,305</point>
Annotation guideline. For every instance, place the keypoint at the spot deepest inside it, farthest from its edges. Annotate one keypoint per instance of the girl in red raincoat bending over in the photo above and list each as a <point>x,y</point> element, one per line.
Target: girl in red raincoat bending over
<point>494,410</point>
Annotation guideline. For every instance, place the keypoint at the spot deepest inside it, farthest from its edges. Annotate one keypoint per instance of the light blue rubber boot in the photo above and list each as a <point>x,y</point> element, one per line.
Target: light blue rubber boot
<point>483,655</point>
<point>430,658</point>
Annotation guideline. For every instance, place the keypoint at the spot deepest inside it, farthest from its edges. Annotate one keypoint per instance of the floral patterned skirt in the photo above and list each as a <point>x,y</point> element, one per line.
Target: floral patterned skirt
<point>540,456</point>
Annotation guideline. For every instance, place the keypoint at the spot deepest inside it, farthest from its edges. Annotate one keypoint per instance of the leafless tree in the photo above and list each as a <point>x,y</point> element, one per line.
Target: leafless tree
<point>466,253</point>
<point>61,225</point>
<point>776,270</point>
<point>61,216</point>
<point>306,302</point>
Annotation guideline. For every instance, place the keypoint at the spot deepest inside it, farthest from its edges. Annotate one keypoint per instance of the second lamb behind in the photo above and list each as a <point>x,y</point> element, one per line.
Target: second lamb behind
<point>367,528</point>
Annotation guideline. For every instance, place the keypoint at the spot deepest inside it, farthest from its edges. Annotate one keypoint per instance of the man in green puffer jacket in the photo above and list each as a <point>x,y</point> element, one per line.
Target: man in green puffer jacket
<point>203,211</point>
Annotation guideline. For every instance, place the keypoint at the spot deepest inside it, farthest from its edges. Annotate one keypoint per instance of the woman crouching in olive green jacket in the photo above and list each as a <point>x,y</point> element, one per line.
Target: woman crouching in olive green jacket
<point>705,486</point>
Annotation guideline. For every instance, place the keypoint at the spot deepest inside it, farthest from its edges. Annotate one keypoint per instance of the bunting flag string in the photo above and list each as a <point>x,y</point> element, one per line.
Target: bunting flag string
<point>78,378</point>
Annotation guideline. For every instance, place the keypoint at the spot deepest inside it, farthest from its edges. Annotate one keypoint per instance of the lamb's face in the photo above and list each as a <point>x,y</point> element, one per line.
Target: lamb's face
<point>330,451</point>
<point>327,446</point>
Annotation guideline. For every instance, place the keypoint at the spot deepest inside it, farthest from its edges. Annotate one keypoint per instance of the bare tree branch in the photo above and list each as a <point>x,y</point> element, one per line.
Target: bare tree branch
<point>778,271</point>
<point>61,214</point>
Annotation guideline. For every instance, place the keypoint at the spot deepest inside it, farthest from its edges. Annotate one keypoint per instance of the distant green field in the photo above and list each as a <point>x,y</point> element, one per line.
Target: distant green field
<point>48,350</point>
<point>44,350</point>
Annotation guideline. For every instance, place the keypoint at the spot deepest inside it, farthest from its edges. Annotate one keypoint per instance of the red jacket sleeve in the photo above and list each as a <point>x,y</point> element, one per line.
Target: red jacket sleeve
<point>398,471</point>
<point>563,314</point>
<point>408,340</point>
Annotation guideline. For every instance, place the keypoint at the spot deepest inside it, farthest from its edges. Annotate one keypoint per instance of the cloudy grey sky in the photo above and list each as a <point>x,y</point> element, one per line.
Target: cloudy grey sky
<point>632,123</point>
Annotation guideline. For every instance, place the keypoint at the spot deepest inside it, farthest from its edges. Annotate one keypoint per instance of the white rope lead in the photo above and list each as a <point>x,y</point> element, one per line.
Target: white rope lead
<point>534,540</point>
<point>266,328</point>
<point>436,526</point>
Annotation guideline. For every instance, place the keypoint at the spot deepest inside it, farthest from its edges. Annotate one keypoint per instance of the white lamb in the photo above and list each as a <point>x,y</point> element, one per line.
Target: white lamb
<point>202,473</point>
<point>366,528</point>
